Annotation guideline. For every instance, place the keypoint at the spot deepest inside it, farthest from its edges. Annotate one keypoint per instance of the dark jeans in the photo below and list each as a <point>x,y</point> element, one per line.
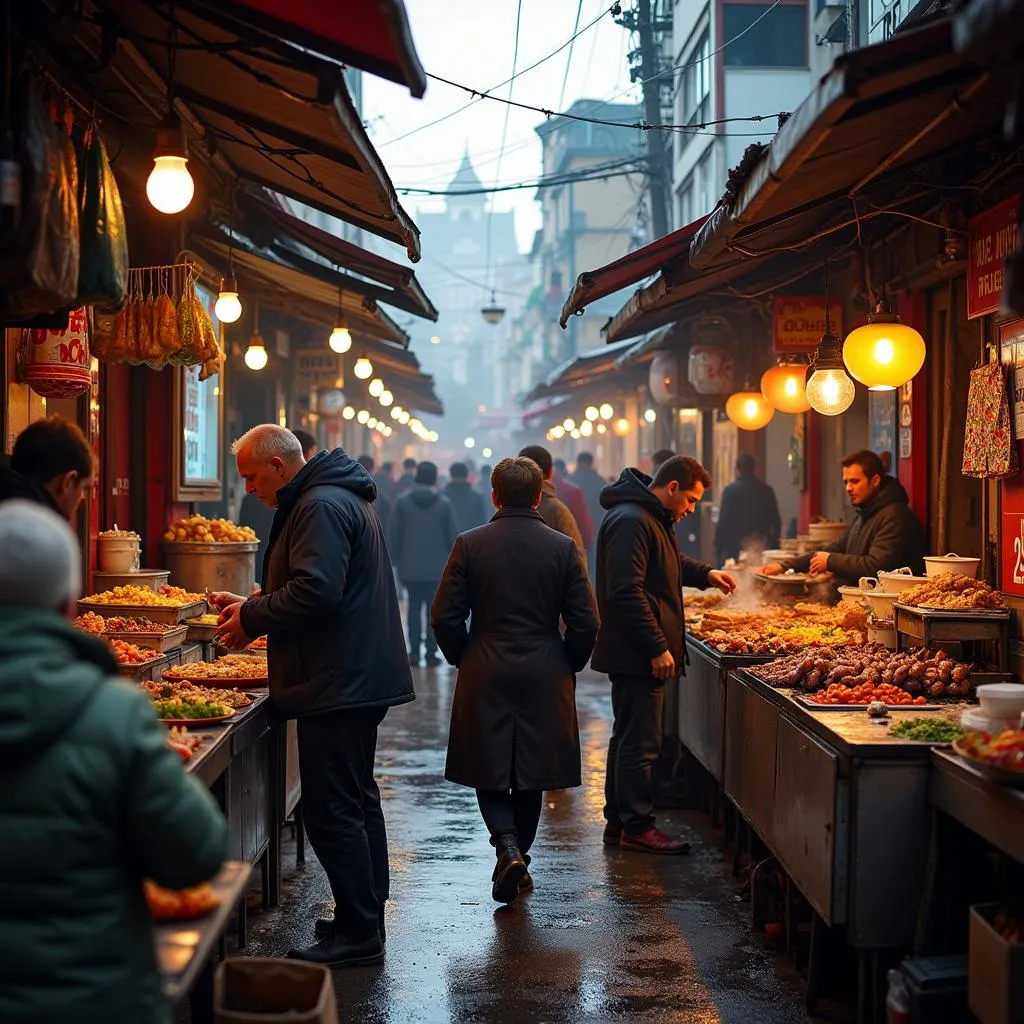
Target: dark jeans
<point>421,596</point>
<point>637,703</point>
<point>512,813</point>
<point>343,817</point>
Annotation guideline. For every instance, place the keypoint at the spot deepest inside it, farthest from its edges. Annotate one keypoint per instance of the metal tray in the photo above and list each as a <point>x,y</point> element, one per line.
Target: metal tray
<point>813,706</point>
<point>160,642</point>
<point>992,772</point>
<point>171,616</point>
<point>933,611</point>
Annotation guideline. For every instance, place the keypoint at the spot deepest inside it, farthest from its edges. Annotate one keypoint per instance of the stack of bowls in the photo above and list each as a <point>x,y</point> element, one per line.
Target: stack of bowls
<point>1002,704</point>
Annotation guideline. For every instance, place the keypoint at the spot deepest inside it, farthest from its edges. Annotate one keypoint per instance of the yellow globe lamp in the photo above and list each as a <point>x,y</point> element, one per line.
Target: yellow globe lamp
<point>749,410</point>
<point>883,354</point>
<point>621,426</point>
<point>785,387</point>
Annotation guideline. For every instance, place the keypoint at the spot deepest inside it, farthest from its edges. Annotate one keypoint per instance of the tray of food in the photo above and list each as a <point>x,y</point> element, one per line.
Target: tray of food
<point>168,605</point>
<point>173,690</point>
<point>257,649</point>
<point>999,758</point>
<point>202,627</point>
<point>953,592</point>
<point>186,710</point>
<point>179,904</point>
<point>842,698</point>
<point>232,670</point>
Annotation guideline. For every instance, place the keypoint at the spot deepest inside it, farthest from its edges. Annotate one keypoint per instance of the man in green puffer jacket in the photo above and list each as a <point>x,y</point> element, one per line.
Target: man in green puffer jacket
<point>91,801</point>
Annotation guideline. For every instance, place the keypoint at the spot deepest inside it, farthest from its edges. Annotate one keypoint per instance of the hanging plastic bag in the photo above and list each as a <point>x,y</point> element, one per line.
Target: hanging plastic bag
<point>57,362</point>
<point>103,266</point>
<point>39,260</point>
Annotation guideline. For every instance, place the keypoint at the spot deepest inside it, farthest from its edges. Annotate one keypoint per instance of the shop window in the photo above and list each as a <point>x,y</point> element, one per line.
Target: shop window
<point>778,40</point>
<point>695,87</point>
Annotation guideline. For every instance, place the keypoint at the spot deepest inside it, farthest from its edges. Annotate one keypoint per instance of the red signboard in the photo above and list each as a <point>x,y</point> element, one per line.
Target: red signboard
<point>993,235</point>
<point>1011,534</point>
<point>799,322</point>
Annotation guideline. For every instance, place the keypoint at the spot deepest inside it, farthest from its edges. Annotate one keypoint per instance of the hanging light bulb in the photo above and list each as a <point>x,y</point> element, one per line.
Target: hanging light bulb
<point>592,413</point>
<point>650,415</point>
<point>569,423</point>
<point>606,411</point>
<point>492,312</point>
<point>386,398</point>
<point>883,354</point>
<point>602,429</point>
<point>622,426</point>
<point>256,354</point>
<point>558,432</point>
<point>784,386</point>
<point>348,412</point>
<point>340,340</point>
<point>586,428</point>
<point>829,390</point>
<point>228,309</point>
<point>372,422</point>
<point>376,387</point>
<point>363,368</point>
<point>749,410</point>
<point>362,416</point>
<point>170,187</point>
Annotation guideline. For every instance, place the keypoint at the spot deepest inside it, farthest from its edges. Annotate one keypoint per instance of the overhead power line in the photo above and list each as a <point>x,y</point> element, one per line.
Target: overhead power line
<point>601,172</point>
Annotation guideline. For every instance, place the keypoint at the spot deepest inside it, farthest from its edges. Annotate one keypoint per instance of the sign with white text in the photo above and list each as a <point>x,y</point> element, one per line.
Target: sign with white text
<point>993,236</point>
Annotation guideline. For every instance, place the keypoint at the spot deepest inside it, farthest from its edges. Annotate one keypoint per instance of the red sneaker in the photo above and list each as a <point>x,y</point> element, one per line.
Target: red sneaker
<point>611,834</point>
<point>653,841</point>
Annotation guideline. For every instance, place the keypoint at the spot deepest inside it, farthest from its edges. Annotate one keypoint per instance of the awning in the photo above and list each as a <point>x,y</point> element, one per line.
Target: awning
<point>592,285</point>
<point>302,294</point>
<point>884,131</point>
<point>295,239</point>
<point>579,372</point>
<point>278,115</point>
<point>372,35</point>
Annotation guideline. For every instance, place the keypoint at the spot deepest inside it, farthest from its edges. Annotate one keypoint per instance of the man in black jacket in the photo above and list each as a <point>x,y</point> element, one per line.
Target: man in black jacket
<point>641,644</point>
<point>747,514</point>
<point>337,663</point>
<point>468,502</point>
<point>885,534</point>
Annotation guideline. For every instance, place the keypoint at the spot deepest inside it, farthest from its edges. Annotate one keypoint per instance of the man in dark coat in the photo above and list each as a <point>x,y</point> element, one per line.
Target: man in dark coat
<point>572,497</point>
<point>884,535</point>
<point>748,513</point>
<point>514,732</point>
<point>382,506</point>
<point>552,509</point>
<point>641,644</point>
<point>336,657</point>
<point>51,464</point>
<point>483,483</point>
<point>407,481</point>
<point>423,530</point>
<point>467,501</point>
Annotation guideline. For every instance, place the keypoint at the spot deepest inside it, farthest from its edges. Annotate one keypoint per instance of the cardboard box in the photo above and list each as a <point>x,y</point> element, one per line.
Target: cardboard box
<point>995,971</point>
<point>257,990</point>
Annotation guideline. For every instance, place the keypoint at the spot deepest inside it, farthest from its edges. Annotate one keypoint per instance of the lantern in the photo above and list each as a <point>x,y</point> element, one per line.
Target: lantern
<point>829,390</point>
<point>785,387</point>
<point>883,354</point>
<point>749,410</point>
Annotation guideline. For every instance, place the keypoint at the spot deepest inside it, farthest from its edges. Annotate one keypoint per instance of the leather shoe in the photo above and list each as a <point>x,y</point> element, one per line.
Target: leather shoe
<point>509,870</point>
<point>334,952</point>
<point>653,841</point>
<point>612,834</point>
<point>323,928</point>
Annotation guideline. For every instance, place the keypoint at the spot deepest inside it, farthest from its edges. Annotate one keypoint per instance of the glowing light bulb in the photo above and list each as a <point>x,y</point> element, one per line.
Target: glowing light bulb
<point>435,340</point>
<point>622,426</point>
<point>469,442</point>
<point>592,413</point>
<point>362,416</point>
<point>486,453</point>
<point>602,429</point>
<point>884,353</point>
<point>256,354</point>
<point>170,187</point>
<point>606,411</point>
<point>784,387</point>
<point>749,410</point>
<point>650,415</point>
<point>558,432</point>
<point>348,412</point>
<point>586,428</point>
<point>386,398</point>
<point>363,368</point>
<point>376,387</point>
<point>340,340</point>
<point>228,309</point>
<point>569,423</point>
<point>830,391</point>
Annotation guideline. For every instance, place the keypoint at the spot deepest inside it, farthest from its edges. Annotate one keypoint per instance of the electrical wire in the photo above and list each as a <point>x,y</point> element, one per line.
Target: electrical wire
<point>601,172</point>
<point>568,59</point>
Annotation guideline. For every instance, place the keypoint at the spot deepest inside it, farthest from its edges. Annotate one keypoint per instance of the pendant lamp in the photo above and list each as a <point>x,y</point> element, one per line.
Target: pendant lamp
<point>829,390</point>
<point>256,354</point>
<point>340,340</point>
<point>749,410</point>
<point>170,187</point>
<point>785,386</point>
<point>228,309</point>
<point>883,354</point>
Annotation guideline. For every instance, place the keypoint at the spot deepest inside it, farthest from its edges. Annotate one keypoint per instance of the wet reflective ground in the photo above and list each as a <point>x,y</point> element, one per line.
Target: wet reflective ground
<point>606,936</point>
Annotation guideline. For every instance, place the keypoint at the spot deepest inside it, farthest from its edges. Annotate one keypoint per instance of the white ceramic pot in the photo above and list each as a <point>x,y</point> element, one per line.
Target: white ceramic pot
<point>898,580</point>
<point>852,595</point>
<point>936,565</point>
<point>880,603</point>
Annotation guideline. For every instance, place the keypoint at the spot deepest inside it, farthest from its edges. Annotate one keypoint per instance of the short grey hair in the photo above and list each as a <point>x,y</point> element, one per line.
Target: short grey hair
<point>269,440</point>
<point>40,560</point>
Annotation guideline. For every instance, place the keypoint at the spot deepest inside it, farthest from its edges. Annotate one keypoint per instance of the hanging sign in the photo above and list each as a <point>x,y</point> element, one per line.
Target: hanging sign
<point>316,368</point>
<point>799,322</point>
<point>993,236</point>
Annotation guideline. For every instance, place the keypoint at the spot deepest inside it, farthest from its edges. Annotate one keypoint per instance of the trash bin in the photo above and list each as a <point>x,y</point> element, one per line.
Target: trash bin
<point>247,990</point>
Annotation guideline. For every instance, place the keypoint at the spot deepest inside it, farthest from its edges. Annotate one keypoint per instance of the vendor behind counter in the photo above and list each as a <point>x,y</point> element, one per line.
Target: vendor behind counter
<point>884,535</point>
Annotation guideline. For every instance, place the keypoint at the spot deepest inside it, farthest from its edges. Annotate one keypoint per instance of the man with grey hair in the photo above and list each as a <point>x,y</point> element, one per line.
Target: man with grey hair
<point>337,662</point>
<point>91,800</point>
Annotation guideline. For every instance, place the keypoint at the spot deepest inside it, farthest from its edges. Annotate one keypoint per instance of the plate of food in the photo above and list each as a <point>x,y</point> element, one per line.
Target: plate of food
<point>999,758</point>
<point>187,710</point>
<point>230,671</point>
<point>179,904</point>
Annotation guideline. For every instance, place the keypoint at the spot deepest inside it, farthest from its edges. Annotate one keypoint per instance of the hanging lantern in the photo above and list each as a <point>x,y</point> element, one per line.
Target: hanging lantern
<point>749,410</point>
<point>785,387</point>
<point>883,354</point>
<point>56,363</point>
<point>363,368</point>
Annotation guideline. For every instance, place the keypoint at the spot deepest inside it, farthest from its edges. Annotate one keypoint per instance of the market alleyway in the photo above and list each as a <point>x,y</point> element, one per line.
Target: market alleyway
<point>606,936</point>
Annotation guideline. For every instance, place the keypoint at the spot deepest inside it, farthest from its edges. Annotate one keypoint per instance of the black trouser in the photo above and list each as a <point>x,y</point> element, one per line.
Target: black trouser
<point>343,817</point>
<point>515,813</point>
<point>421,596</point>
<point>635,744</point>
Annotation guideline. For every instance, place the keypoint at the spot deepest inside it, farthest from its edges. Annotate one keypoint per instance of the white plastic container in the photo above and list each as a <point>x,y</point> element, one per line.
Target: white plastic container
<point>936,565</point>
<point>879,601</point>
<point>975,719</point>
<point>882,632</point>
<point>852,595</point>
<point>1004,700</point>
<point>898,580</point>
<point>118,554</point>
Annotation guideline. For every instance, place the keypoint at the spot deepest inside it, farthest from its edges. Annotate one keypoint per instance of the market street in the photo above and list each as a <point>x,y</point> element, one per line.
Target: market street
<point>605,936</point>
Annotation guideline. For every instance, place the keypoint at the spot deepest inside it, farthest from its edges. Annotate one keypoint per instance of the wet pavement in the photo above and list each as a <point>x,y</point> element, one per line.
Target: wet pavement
<point>606,936</point>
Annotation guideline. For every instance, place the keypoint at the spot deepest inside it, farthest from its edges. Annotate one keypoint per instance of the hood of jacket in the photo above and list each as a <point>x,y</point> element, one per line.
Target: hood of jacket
<point>424,497</point>
<point>635,487</point>
<point>891,492</point>
<point>334,469</point>
<point>49,671</point>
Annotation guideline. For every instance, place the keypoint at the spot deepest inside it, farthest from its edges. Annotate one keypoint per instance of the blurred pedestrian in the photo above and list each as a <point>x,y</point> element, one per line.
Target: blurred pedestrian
<point>467,501</point>
<point>748,514</point>
<point>572,497</point>
<point>407,481</point>
<point>385,482</point>
<point>91,801</point>
<point>260,517</point>
<point>552,510</point>
<point>514,731</point>
<point>52,464</point>
<point>381,506</point>
<point>641,643</point>
<point>483,484</point>
<point>591,483</point>
<point>423,530</point>
<point>330,612</point>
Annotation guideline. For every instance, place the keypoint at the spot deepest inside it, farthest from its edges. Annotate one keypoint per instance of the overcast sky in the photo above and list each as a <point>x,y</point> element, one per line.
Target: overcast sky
<point>473,42</point>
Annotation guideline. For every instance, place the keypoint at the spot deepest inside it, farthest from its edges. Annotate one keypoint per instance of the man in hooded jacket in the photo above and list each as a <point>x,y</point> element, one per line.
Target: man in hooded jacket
<point>91,801</point>
<point>336,658</point>
<point>641,642</point>
<point>423,532</point>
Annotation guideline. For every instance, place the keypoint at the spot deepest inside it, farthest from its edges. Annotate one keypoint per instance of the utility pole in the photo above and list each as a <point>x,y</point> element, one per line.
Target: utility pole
<point>657,156</point>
